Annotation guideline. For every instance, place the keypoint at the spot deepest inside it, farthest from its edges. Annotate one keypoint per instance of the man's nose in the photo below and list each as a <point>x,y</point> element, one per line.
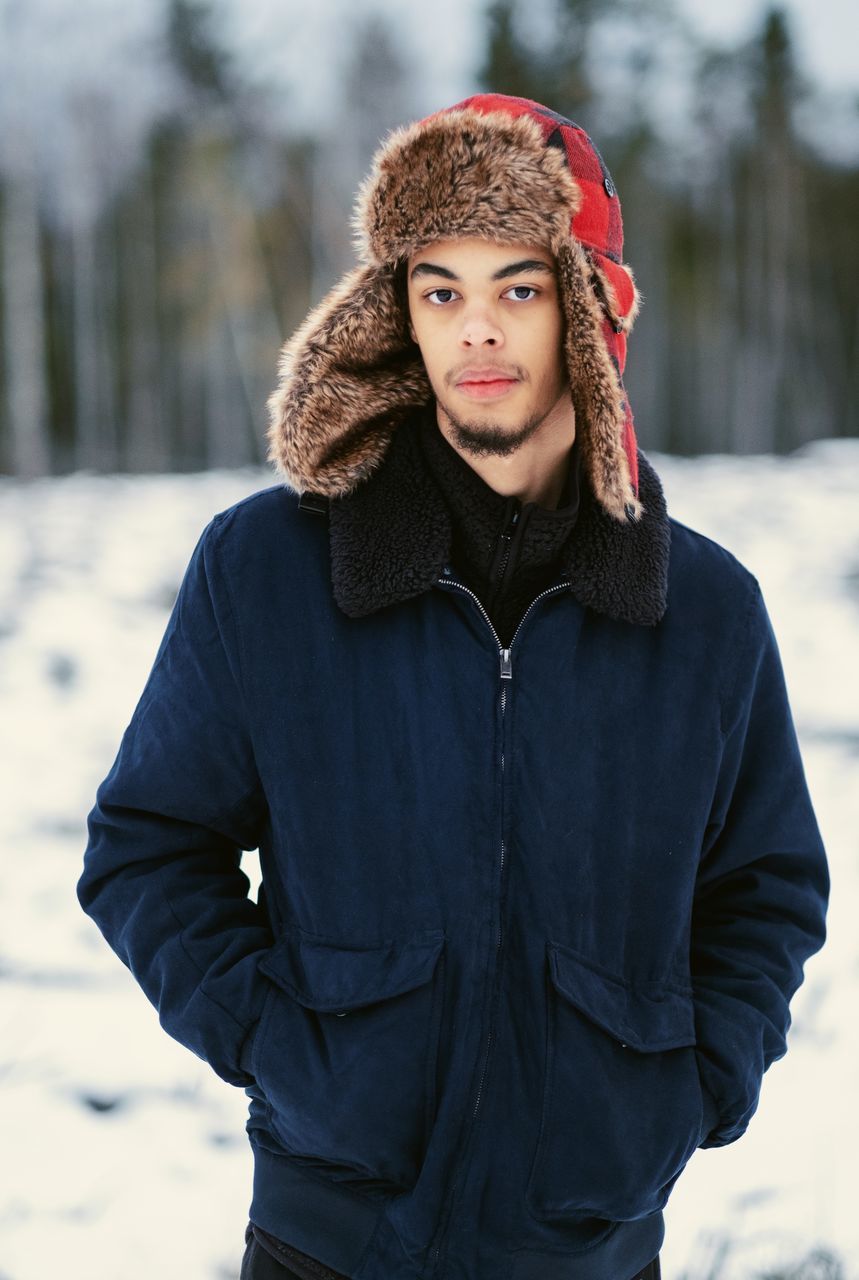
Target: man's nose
<point>479,327</point>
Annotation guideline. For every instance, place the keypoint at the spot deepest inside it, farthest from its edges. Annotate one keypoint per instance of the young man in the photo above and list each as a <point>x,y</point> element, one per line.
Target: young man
<point>540,870</point>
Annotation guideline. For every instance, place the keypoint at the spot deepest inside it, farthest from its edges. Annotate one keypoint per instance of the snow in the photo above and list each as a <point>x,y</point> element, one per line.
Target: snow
<point>124,1156</point>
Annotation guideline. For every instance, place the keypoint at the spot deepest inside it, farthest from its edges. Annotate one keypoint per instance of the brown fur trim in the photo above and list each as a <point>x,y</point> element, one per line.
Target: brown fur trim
<point>463,174</point>
<point>346,377</point>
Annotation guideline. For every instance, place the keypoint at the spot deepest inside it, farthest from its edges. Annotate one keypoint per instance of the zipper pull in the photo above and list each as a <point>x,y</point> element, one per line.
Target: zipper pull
<point>506,665</point>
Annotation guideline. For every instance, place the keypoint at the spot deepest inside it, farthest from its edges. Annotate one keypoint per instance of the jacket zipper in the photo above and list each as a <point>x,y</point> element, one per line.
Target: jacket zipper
<point>506,662</point>
<point>506,543</point>
<point>506,674</point>
<point>507,535</point>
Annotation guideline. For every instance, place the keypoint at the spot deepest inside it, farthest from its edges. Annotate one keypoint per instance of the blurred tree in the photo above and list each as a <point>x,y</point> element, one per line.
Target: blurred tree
<point>209,324</point>
<point>811,294</point>
<point>566,65</point>
<point>23,353</point>
<point>378,91</point>
<point>148,434</point>
<point>770,340</point>
<point>833,214</point>
<point>509,65</point>
<point>774,304</point>
<point>202,63</point>
<point>94,287</point>
<point>23,330</point>
<point>287,233</point>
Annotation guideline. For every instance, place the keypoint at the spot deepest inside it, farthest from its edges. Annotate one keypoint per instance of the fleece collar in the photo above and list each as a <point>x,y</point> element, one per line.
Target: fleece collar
<point>390,540</point>
<point>478,512</point>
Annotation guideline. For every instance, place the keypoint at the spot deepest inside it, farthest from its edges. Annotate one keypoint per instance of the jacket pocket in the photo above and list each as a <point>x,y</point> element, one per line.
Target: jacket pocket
<point>346,1052</point>
<point>622,1107</point>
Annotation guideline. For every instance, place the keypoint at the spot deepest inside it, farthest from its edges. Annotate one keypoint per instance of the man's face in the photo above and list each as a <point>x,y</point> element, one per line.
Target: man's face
<point>482,310</point>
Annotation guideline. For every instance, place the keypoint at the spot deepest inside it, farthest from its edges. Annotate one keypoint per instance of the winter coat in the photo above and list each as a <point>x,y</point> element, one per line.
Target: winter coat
<point>531,915</point>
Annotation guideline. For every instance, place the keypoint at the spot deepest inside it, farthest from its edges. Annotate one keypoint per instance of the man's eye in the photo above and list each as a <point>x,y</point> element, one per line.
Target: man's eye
<point>442,300</point>
<point>439,297</point>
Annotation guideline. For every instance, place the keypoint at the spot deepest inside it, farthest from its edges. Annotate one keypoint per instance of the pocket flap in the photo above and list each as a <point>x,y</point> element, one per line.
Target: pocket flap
<point>648,1016</point>
<point>331,977</point>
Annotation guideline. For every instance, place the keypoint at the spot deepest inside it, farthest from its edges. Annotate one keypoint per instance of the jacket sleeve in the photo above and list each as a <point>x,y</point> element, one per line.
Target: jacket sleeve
<point>161,875</point>
<point>762,885</point>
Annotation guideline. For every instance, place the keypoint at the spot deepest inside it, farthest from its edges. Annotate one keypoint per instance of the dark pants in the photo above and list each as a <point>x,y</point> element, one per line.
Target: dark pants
<point>267,1258</point>
<point>259,1265</point>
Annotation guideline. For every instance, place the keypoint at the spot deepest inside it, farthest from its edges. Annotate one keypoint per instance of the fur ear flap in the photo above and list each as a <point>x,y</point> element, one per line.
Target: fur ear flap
<point>346,379</point>
<point>597,392</point>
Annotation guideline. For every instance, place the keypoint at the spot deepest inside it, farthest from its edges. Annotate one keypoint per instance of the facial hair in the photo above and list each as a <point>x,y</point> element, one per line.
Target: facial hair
<point>485,439</point>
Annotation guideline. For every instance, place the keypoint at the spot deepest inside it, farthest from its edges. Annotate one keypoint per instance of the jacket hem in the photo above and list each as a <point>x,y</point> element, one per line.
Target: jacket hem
<point>330,1223</point>
<point>625,1251</point>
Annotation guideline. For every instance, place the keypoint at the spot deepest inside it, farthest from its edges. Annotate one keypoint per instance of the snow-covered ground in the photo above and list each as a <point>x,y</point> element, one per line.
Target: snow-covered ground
<point>123,1156</point>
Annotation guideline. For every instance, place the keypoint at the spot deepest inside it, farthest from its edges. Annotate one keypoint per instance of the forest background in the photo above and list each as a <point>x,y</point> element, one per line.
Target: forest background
<point>174,197</point>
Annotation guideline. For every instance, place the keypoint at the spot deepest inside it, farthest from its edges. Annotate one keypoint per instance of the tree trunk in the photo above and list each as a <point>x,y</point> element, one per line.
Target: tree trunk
<point>24,318</point>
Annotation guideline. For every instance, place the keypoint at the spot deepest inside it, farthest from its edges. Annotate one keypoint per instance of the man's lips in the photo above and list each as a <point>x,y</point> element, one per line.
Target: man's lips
<point>485,385</point>
<point>489,374</point>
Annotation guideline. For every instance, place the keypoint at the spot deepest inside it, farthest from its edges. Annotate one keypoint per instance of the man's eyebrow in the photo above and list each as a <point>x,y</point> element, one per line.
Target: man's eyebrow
<point>512,269</point>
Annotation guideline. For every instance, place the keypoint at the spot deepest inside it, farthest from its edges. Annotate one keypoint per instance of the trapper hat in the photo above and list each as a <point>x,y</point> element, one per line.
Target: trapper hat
<point>503,168</point>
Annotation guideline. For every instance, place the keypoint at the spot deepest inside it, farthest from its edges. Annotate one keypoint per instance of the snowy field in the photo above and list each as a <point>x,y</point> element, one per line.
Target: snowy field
<point>124,1157</point>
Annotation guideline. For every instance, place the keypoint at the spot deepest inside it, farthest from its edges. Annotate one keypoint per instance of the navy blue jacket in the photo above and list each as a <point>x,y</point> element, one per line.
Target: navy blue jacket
<point>530,917</point>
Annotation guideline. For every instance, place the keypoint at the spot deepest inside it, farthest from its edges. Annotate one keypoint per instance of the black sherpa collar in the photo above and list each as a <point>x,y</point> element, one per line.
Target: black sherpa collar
<point>390,539</point>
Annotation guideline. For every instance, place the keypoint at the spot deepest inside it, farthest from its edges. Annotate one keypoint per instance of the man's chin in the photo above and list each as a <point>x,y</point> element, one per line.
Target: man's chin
<point>485,433</point>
